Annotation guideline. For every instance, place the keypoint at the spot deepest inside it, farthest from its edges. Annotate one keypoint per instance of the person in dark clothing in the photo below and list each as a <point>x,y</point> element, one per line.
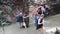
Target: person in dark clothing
<point>40,24</point>
<point>39,10</point>
<point>57,31</point>
<point>26,20</point>
<point>20,18</point>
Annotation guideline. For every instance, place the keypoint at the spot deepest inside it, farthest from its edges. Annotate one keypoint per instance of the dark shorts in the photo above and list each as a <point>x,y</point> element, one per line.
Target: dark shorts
<point>39,26</point>
<point>26,20</point>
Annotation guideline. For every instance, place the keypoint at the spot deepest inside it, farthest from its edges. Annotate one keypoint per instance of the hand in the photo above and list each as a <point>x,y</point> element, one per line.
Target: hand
<point>24,17</point>
<point>39,23</point>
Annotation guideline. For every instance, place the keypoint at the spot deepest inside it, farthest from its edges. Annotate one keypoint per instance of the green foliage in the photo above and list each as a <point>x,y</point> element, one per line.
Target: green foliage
<point>9,9</point>
<point>1,11</point>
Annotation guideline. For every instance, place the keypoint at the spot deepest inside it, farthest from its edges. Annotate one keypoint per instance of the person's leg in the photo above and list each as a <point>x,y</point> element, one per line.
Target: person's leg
<point>24,24</point>
<point>43,30</point>
<point>27,24</point>
<point>39,31</point>
<point>20,24</point>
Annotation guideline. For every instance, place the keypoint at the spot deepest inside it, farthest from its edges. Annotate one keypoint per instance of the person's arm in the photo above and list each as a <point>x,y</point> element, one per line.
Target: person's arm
<point>39,21</point>
<point>25,16</point>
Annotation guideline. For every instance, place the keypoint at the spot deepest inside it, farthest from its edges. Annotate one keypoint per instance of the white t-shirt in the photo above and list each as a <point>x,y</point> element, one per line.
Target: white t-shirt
<point>21,14</point>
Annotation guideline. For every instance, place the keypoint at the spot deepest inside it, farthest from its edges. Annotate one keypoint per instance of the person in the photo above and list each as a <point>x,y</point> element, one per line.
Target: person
<point>40,24</point>
<point>57,31</point>
<point>26,20</point>
<point>46,11</point>
<point>20,18</point>
<point>39,11</point>
<point>37,16</point>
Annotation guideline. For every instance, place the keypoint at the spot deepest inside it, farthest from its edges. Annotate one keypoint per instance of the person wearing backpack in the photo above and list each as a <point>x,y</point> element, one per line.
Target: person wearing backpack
<point>36,19</point>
